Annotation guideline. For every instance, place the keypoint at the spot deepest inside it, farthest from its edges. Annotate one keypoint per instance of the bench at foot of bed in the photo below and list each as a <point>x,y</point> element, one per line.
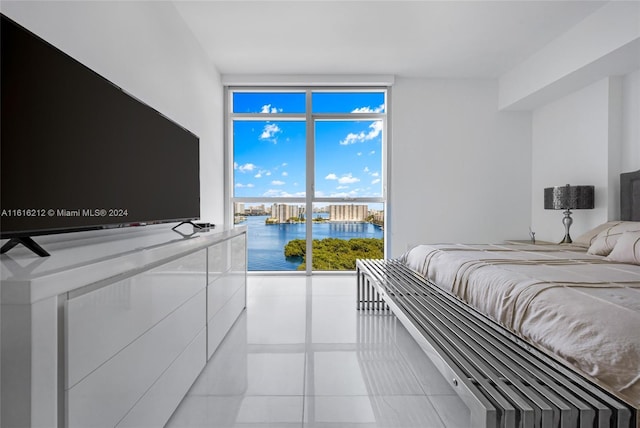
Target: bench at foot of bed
<point>504,381</point>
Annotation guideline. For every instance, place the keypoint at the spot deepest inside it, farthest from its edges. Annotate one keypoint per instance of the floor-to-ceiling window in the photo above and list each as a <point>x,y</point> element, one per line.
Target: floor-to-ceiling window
<point>307,175</point>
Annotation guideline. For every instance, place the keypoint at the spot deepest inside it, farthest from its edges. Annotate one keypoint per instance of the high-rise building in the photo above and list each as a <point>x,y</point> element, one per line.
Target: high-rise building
<point>282,213</point>
<point>378,217</point>
<point>257,209</point>
<point>348,212</point>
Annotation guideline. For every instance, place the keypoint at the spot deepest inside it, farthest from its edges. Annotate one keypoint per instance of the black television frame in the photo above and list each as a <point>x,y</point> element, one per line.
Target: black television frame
<point>16,237</point>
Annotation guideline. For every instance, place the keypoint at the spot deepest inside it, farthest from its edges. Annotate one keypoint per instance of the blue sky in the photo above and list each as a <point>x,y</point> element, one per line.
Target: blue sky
<point>270,155</point>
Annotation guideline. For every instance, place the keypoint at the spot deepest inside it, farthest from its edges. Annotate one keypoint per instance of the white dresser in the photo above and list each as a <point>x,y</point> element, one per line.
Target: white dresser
<point>115,326</point>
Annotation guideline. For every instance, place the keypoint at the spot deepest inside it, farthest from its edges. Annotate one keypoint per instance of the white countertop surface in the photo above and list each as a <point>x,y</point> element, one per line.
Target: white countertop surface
<point>83,258</point>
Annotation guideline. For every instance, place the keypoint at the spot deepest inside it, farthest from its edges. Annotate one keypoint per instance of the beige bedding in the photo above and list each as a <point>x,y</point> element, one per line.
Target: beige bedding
<point>572,304</point>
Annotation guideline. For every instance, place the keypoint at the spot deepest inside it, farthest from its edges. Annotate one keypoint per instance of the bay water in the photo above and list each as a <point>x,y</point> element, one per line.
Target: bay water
<point>266,242</point>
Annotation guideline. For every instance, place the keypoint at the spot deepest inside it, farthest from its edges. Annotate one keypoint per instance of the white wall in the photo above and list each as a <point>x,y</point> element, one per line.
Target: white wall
<point>461,170</point>
<point>147,49</point>
<point>631,122</point>
<point>570,146</point>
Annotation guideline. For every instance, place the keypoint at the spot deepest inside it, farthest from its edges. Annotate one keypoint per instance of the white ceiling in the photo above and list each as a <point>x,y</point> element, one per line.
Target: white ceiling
<point>454,39</point>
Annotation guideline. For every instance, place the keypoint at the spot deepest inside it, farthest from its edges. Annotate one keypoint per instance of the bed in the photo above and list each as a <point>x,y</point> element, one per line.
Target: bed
<point>576,304</point>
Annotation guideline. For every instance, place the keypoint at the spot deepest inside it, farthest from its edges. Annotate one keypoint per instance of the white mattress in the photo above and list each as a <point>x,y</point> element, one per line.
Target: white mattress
<point>576,306</point>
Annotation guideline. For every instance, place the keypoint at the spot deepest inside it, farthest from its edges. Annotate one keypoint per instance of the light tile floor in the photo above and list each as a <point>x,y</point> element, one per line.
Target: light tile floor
<point>301,355</point>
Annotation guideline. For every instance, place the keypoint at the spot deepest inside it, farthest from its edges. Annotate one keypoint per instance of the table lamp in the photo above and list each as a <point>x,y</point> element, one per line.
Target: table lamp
<point>568,198</point>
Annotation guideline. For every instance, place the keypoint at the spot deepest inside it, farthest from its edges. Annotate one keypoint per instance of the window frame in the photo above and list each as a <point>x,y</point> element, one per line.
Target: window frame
<point>310,119</point>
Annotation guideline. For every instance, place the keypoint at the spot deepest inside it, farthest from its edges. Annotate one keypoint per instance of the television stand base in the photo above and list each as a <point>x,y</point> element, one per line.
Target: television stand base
<point>197,227</point>
<point>27,242</point>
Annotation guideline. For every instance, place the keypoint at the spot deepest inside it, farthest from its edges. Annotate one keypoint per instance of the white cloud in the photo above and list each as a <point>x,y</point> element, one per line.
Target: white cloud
<point>262,172</point>
<point>268,173</point>
<point>376,181</point>
<point>269,132</point>
<point>353,138</point>
<point>350,194</point>
<point>368,109</point>
<point>267,108</point>
<point>375,174</point>
<point>277,183</point>
<point>374,131</point>
<point>348,179</point>
<point>247,167</point>
<point>240,185</point>
<point>285,173</point>
<point>345,179</point>
<point>359,153</point>
<point>285,164</point>
<point>342,187</point>
<point>372,152</point>
<point>277,193</point>
<point>366,169</point>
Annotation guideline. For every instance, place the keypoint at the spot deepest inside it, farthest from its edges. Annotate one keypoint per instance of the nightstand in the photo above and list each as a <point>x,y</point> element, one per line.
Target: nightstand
<point>528,241</point>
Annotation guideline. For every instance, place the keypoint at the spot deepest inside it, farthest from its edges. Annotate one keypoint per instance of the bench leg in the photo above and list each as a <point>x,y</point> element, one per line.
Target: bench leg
<point>358,289</point>
<point>368,297</point>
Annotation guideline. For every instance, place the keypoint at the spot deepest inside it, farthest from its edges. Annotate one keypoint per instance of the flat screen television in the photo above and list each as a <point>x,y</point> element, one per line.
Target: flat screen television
<point>79,153</point>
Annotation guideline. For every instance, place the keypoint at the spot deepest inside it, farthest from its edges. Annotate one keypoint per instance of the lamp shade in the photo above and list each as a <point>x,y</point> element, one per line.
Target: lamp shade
<point>569,197</point>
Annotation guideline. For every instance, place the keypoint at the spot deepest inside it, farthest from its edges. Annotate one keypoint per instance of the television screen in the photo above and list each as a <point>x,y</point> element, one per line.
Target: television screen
<point>77,152</point>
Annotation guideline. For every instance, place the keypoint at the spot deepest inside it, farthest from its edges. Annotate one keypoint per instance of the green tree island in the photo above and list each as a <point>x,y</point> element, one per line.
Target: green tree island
<point>336,254</point>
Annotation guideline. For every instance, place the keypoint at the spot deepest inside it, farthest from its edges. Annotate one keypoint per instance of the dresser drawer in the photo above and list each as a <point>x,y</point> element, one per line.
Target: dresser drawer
<point>221,290</point>
<point>239,254</point>
<point>219,260</point>
<point>101,323</point>
<point>158,404</point>
<point>221,322</point>
<point>107,394</point>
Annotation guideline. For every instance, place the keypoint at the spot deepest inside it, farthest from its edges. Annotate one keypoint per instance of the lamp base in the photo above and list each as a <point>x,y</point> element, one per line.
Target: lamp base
<point>566,240</point>
<point>567,220</point>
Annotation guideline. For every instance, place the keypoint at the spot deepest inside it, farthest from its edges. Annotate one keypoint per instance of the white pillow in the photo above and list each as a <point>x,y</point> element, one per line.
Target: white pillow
<point>586,239</point>
<point>627,249</point>
<point>606,240</point>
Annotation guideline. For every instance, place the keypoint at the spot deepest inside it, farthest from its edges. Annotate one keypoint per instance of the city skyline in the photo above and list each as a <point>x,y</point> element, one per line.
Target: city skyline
<point>265,207</point>
<point>284,212</point>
